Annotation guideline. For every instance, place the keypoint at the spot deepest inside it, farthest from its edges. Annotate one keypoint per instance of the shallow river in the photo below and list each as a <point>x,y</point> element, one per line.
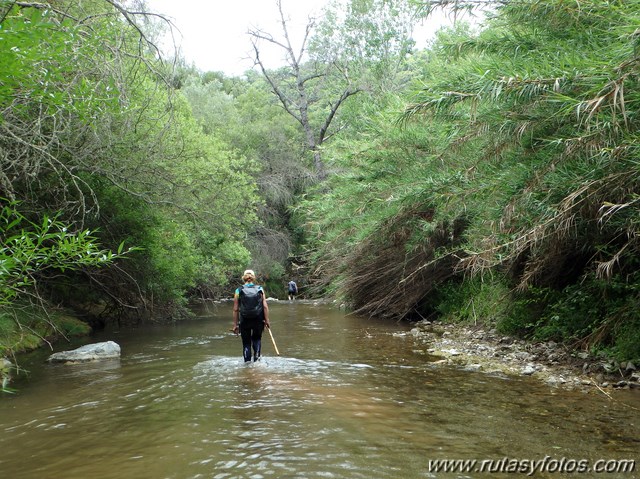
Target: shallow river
<point>347,398</point>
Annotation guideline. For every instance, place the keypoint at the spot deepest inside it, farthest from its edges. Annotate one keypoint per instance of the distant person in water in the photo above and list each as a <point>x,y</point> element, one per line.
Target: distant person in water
<point>292,289</point>
<point>250,315</point>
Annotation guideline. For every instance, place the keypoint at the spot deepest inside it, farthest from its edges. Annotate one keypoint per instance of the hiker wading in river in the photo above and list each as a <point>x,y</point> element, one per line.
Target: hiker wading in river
<point>292,290</point>
<point>250,315</point>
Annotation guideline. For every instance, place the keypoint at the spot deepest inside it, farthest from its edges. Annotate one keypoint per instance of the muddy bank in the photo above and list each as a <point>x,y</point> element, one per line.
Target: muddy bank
<point>480,349</point>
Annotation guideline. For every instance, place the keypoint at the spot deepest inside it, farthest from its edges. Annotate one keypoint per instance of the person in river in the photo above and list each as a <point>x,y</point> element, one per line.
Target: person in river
<point>292,289</point>
<point>250,315</point>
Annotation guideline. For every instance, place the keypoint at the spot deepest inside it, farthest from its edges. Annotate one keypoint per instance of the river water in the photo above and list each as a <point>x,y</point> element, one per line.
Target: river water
<point>348,397</point>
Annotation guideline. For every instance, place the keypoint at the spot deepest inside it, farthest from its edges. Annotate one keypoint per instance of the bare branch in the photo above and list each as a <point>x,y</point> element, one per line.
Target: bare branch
<point>284,101</point>
<point>334,108</point>
<point>300,90</point>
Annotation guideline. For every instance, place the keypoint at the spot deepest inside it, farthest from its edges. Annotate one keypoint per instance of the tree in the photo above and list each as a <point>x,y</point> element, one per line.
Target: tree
<point>243,113</point>
<point>29,250</point>
<point>94,134</point>
<point>369,38</point>
<point>294,85</point>
<point>337,58</point>
<point>516,169</point>
<point>333,62</point>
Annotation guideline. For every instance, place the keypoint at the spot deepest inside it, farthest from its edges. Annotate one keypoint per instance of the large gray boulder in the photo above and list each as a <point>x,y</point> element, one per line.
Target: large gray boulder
<point>88,352</point>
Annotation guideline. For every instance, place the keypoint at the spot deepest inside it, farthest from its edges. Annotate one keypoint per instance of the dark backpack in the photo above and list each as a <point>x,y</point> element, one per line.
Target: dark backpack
<point>293,288</point>
<point>251,302</point>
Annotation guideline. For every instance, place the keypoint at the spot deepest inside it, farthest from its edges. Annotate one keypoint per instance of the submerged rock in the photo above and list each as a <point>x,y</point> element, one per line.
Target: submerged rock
<point>88,352</point>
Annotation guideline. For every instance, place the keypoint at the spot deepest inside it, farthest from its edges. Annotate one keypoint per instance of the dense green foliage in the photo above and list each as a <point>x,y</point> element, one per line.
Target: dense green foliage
<point>516,162</point>
<point>93,137</point>
<point>244,114</point>
<point>493,177</point>
<point>29,250</point>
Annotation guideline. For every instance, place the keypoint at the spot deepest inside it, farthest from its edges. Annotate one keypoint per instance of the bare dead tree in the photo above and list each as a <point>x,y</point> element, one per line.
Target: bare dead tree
<point>298,87</point>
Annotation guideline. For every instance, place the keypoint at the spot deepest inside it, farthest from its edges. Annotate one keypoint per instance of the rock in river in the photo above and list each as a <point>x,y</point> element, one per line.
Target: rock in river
<point>88,352</point>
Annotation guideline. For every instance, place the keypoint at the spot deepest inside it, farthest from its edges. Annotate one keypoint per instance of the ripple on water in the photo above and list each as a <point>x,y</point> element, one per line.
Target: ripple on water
<point>189,341</point>
<point>233,364</point>
<point>178,406</point>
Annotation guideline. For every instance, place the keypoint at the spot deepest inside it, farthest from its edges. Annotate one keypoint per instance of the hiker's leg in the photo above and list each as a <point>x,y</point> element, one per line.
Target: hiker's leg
<point>245,334</point>
<point>256,341</point>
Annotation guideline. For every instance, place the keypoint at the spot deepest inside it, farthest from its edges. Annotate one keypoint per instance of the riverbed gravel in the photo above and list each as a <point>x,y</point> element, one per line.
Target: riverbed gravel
<point>480,349</point>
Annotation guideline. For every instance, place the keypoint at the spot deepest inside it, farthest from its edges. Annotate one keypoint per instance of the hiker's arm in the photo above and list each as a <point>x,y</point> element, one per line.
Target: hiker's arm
<point>236,308</point>
<point>265,308</point>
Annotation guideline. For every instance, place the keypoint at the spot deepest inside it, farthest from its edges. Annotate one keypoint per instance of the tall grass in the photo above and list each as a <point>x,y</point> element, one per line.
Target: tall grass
<point>516,157</point>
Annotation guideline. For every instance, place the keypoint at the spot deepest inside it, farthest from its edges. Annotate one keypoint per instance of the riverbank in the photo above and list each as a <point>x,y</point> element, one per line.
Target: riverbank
<point>25,327</point>
<point>480,349</point>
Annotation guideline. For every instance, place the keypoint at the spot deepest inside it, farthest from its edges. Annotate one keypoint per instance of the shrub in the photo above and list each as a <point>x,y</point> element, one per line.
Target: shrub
<point>474,300</point>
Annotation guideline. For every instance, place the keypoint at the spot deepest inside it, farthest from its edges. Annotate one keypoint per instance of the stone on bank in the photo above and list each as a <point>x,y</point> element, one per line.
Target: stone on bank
<point>88,352</point>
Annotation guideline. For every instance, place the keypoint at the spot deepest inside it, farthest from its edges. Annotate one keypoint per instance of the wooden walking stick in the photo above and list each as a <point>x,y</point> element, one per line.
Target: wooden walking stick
<point>273,341</point>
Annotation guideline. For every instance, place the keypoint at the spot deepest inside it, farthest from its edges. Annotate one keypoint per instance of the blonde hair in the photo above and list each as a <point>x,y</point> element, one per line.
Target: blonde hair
<point>248,275</point>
